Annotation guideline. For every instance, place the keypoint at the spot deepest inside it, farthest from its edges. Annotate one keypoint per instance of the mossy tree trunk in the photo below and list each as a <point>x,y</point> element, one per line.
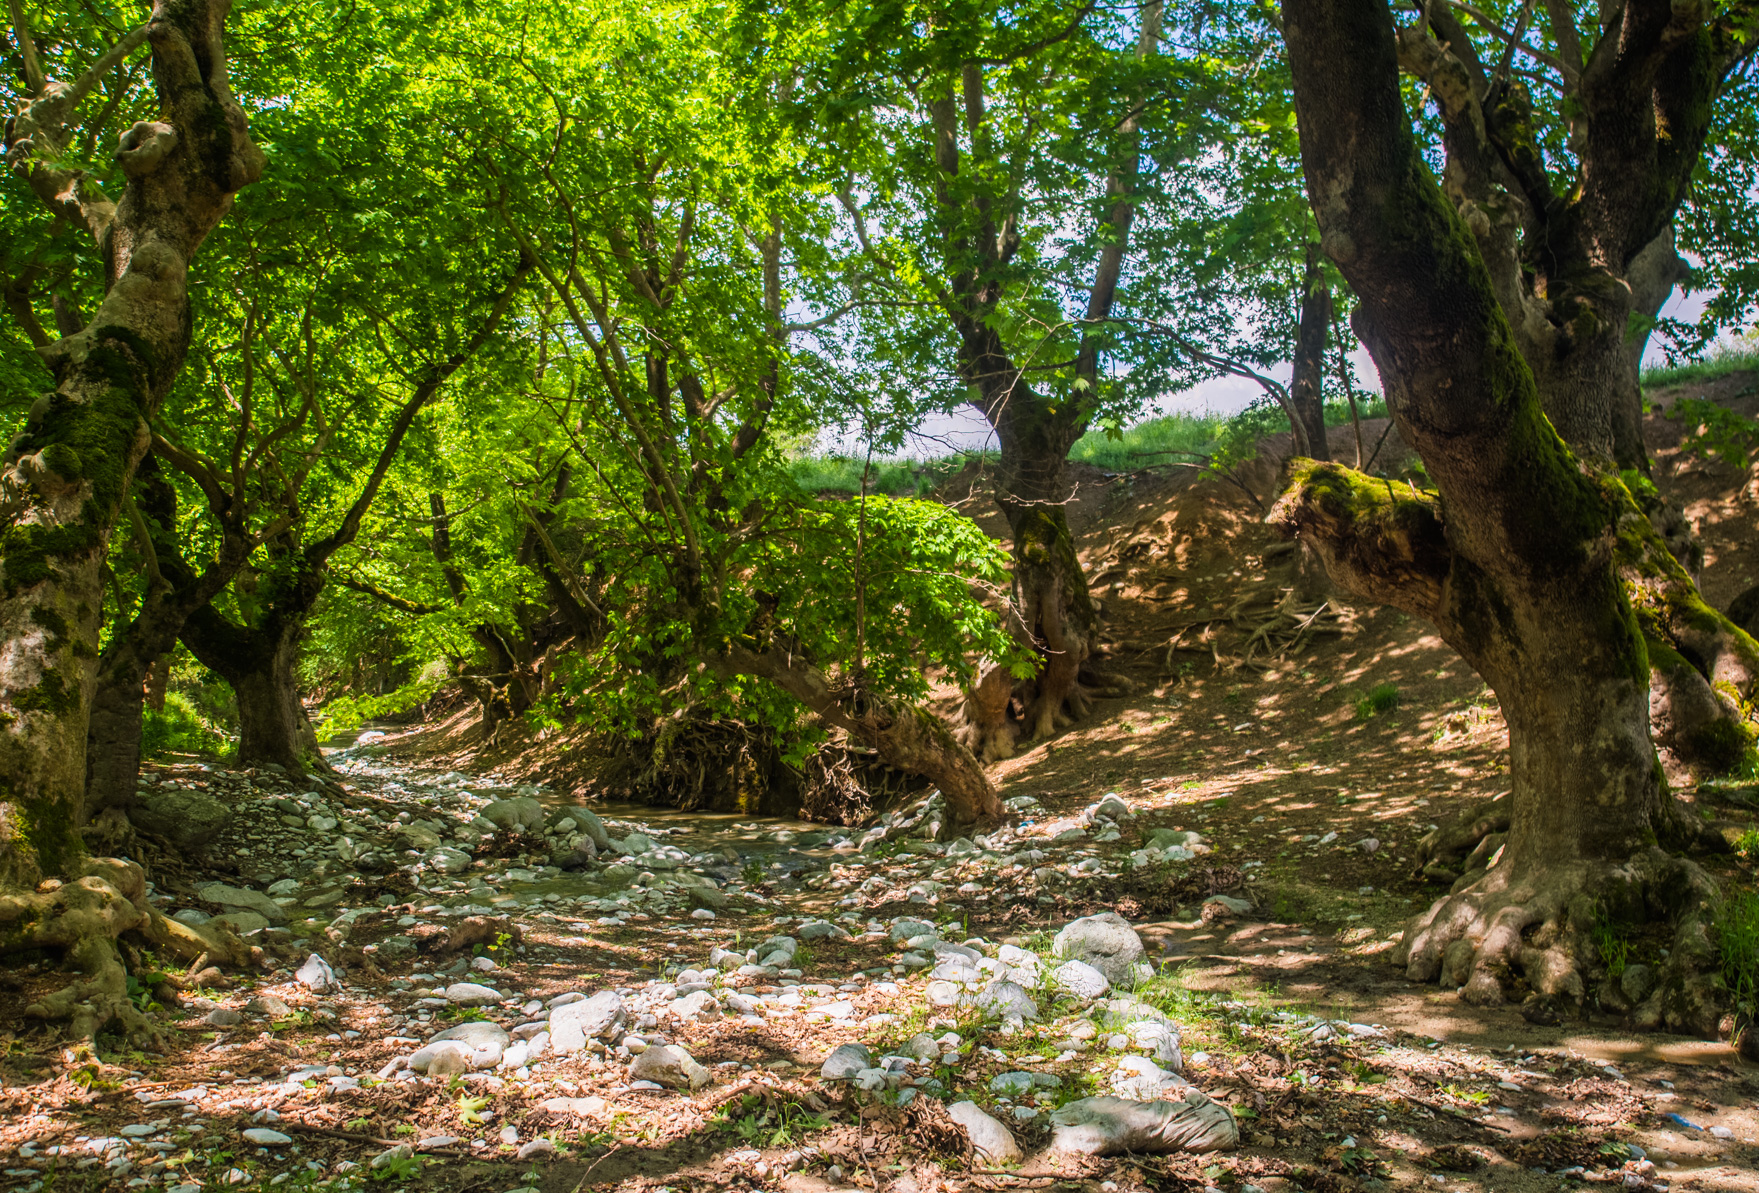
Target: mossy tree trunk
<point>67,475</point>
<point>1496,335</point>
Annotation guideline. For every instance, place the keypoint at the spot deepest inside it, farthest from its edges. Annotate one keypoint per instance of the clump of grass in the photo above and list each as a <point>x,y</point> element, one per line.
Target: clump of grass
<point>1747,845</point>
<point>1168,439</point>
<point>1382,697</point>
<point>1612,945</point>
<point>887,477</point>
<point>1738,941</point>
<point>1733,356</point>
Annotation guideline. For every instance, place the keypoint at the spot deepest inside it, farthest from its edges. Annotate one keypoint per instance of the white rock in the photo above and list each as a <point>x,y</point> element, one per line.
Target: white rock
<point>573,1024</point>
<point>469,994</point>
<point>845,1062</point>
<point>1141,1080</point>
<point>316,974</point>
<point>1105,941</point>
<point>1081,980</point>
<point>670,1066</point>
<point>699,1007</point>
<point>1107,1126</point>
<point>989,1138</point>
<point>1007,1000</point>
<point>391,1154</point>
<point>263,1137</point>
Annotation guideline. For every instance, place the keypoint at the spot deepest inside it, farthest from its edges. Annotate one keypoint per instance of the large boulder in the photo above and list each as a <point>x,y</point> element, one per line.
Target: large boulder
<point>1108,1126</point>
<point>523,813</point>
<point>239,899</point>
<point>1105,941</point>
<point>188,820</point>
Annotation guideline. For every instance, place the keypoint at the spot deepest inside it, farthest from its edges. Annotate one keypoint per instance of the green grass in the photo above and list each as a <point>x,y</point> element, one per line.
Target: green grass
<point>1747,845</point>
<point>890,477</point>
<point>1169,439</point>
<point>1383,697</point>
<point>1155,442</point>
<point>1737,924</point>
<point>1728,357</point>
<point>180,729</point>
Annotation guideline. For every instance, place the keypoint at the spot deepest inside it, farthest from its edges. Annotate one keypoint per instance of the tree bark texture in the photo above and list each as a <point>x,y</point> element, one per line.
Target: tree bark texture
<point>66,476</point>
<point>260,661</point>
<point>125,668</point>
<point>1521,557</point>
<point>1307,384</point>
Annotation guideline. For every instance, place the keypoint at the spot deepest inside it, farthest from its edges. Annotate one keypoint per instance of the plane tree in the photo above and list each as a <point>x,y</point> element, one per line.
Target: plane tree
<point>142,175</point>
<point>1497,299</point>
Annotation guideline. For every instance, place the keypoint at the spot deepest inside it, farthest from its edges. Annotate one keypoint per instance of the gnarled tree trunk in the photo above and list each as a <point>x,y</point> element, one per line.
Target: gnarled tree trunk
<point>261,663</point>
<point>1497,316</point>
<point>66,476</point>
<point>1053,610</point>
<point>906,737</point>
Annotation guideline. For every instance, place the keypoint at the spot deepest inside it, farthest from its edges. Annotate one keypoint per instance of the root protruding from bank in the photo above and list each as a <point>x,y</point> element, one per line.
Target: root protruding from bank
<point>83,920</point>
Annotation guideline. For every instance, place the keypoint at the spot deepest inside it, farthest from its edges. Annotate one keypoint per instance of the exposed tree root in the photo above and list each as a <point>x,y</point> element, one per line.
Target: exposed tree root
<point>83,919</point>
<point>1536,932</point>
<point>987,727</point>
<point>1460,851</point>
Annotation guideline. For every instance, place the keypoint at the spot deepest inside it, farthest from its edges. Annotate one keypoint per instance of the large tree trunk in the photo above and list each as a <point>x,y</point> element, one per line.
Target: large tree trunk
<point>136,651</point>
<point>66,479</point>
<point>1050,588</point>
<point>1054,612</point>
<point>66,476</point>
<point>272,721</point>
<point>113,738</point>
<point>1524,557</point>
<point>261,663</point>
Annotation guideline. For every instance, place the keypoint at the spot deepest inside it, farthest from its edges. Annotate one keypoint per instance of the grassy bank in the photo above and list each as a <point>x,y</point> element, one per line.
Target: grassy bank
<point>1180,438</point>
<point>1735,356</point>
